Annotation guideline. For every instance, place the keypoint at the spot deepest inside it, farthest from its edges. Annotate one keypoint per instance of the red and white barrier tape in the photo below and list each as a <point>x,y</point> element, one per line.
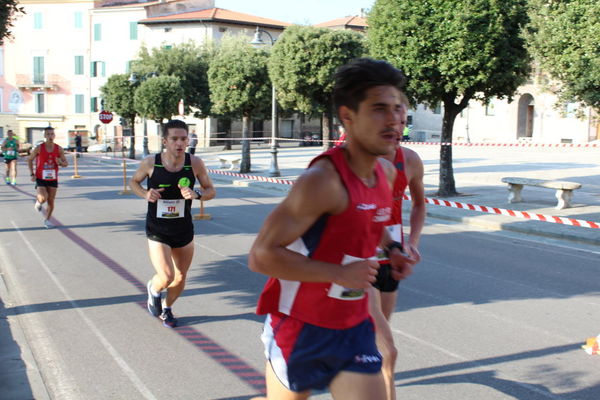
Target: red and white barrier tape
<point>446,203</point>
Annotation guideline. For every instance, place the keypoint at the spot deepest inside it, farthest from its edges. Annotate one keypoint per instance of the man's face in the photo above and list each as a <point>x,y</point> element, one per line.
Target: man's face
<point>10,134</point>
<point>379,120</point>
<point>176,141</point>
<point>49,134</point>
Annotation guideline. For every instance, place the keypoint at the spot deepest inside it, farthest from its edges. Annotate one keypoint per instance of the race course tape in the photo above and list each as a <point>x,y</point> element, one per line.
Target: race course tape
<point>446,203</point>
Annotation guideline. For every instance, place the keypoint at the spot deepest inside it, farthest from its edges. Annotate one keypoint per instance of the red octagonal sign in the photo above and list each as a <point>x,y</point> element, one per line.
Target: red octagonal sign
<point>105,117</point>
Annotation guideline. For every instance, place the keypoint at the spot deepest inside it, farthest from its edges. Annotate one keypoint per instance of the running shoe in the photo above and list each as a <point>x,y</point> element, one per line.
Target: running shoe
<point>48,224</point>
<point>154,302</point>
<point>168,319</point>
<point>7,181</point>
<point>37,206</point>
<point>14,182</point>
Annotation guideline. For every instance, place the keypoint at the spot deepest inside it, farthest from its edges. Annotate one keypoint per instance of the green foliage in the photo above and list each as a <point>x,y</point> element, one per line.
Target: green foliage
<point>118,94</point>
<point>453,48</point>
<point>187,61</point>
<point>9,10</point>
<point>303,62</point>
<point>238,79</point>
<point>157,97</point>
<point>565,41</point>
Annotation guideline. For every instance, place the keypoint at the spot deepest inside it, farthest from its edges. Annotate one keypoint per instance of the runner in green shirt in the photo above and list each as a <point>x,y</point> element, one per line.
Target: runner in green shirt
<point>10,150</point>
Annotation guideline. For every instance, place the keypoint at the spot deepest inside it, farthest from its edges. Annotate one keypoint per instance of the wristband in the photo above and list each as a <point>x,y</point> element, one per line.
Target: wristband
<point>391,246</point>
<point>198,193</point>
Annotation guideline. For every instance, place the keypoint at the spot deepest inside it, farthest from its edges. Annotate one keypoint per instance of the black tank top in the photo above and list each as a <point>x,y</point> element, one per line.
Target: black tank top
<point>168,216</point>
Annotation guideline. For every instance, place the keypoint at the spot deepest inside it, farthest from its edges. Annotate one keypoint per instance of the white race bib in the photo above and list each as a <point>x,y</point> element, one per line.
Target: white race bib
<point>10,153</point>
<point>48,174</point>
<point>170,208</point>
<point>342,293</point>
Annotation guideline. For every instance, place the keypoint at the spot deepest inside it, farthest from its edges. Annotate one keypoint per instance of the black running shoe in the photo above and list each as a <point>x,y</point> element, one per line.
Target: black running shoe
<point>154,302</point>
<point>168,319</point>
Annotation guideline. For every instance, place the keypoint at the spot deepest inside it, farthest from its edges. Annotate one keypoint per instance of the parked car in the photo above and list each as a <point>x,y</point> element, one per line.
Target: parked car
<point>105,147</point>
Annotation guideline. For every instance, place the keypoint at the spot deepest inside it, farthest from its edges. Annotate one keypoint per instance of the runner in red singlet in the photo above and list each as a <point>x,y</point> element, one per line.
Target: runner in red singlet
<point>318,247</point>
<point>48,156</point>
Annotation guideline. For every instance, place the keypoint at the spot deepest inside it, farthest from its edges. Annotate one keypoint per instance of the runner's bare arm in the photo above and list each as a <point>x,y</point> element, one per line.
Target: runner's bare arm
<point>135,183</point>
<point>62,160</point>
<point>30,159</point>
<point>415,173</point>
<point>317,192</point>
<point>208,189</point>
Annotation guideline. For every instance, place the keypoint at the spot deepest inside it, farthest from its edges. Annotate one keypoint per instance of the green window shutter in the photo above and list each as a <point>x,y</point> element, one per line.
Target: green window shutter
<point>133,31</point>
<point>39,103</point>
<point>93,69</point>
<point>103,68</point>
<point>78,20</point>
<point>97,32</point>
<point>79,103</point>
<point>37,20</point>
<point>38,70</point>
<point>78,65</point>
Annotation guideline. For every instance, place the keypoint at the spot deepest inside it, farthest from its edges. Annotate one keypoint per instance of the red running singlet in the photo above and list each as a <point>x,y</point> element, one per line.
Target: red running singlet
<point>340,239</point>
<point>46,167</point>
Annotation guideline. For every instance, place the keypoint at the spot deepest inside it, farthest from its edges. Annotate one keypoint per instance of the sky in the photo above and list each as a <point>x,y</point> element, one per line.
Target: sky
<point>297,12</point>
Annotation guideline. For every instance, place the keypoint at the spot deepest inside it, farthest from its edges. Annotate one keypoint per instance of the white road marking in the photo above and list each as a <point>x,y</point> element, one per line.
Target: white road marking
<point>143,389</point>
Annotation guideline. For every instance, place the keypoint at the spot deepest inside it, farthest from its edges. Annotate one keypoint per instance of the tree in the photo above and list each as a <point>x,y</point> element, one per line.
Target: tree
<point>452,51</point>
<point>187,61</point>
<point>239,84</point>
<point>118,95</point>
<point>9,10</point>
<point>565,41</point>
<point>157,98</point>
<point>302,64</point>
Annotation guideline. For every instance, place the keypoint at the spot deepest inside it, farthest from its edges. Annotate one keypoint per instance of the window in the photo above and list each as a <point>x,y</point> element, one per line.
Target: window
<point>78,65</point>
<point>98,68</point>
<point>437,109</point>
<point>94,104</point>
<point>78,19</point>
<point>37,20</point>
<point>38,70</point>
<point>97,32</point>
<point>570,110</point>
<point>168,47</point>
<point>79,104</point>
<point>490,109</point>
<point>128,67</point>
<point>133,31</point>
<point>39,103</point>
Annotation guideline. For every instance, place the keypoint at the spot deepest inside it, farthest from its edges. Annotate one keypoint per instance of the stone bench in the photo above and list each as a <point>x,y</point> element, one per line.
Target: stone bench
<point>230,162</point>
<point>564,190</point>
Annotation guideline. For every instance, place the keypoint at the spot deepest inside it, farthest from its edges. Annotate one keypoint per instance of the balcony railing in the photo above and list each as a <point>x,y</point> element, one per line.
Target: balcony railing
<point>38,81</point>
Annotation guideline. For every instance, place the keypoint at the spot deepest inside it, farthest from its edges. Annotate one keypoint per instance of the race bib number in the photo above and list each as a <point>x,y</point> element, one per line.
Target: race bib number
<point>10,153</point>
<point>343,293</point>
<point>48,174</point>
<point>170,208</point>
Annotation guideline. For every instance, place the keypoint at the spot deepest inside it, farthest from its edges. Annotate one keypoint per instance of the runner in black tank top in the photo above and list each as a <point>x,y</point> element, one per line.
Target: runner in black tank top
<point>169,220</point>
<point>170,177</point>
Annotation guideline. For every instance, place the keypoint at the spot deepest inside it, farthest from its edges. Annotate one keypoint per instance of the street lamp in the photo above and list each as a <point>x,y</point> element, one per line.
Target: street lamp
<point>274,169</point>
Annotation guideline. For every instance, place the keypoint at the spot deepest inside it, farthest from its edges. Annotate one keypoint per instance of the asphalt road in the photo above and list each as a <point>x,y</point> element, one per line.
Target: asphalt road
<point>487,315</point>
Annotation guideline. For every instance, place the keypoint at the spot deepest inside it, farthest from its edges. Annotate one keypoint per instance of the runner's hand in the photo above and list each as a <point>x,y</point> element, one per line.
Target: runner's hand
<point>358,275</point>
<point>187,193</point>
<point>152,195</point>
<point>402,264</point>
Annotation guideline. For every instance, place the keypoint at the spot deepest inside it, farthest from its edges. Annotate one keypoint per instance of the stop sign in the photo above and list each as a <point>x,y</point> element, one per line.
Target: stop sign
<point>105,116</point>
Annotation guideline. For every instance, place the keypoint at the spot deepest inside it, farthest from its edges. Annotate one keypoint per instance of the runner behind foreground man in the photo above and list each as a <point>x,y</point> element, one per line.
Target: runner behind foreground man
<point>171,177</point>
<point>48,157</point>
<point>10,151</point>
<point>318,248</point>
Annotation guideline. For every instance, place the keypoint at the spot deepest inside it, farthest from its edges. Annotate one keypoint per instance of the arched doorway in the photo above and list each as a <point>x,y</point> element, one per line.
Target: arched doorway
<point>525,116</point>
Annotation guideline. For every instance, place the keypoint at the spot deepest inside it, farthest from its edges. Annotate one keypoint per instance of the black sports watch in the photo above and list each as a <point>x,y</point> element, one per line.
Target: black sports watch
<point>198,193</point>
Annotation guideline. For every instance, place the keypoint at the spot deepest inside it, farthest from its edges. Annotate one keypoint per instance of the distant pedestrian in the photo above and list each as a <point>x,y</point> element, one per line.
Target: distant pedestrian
<point>171,176</point>
<point>10,150</point>
<point>318,248</point>
<point>193,143</point>
<point>48,156</point>
<point>342,136</point>
<point>406,134</point>
<point>78,147</point>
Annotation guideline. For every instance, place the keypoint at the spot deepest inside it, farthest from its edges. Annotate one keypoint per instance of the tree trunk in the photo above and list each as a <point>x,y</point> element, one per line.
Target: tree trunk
<point>447,187</point>
<point>227,124</point>
<point>132,143</point>
<point>326,126</point>
<point>245,164</point>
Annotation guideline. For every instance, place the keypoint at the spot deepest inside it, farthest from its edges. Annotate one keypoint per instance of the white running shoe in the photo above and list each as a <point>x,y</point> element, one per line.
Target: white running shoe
<point>37,206</point>
<point>48,224</point>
